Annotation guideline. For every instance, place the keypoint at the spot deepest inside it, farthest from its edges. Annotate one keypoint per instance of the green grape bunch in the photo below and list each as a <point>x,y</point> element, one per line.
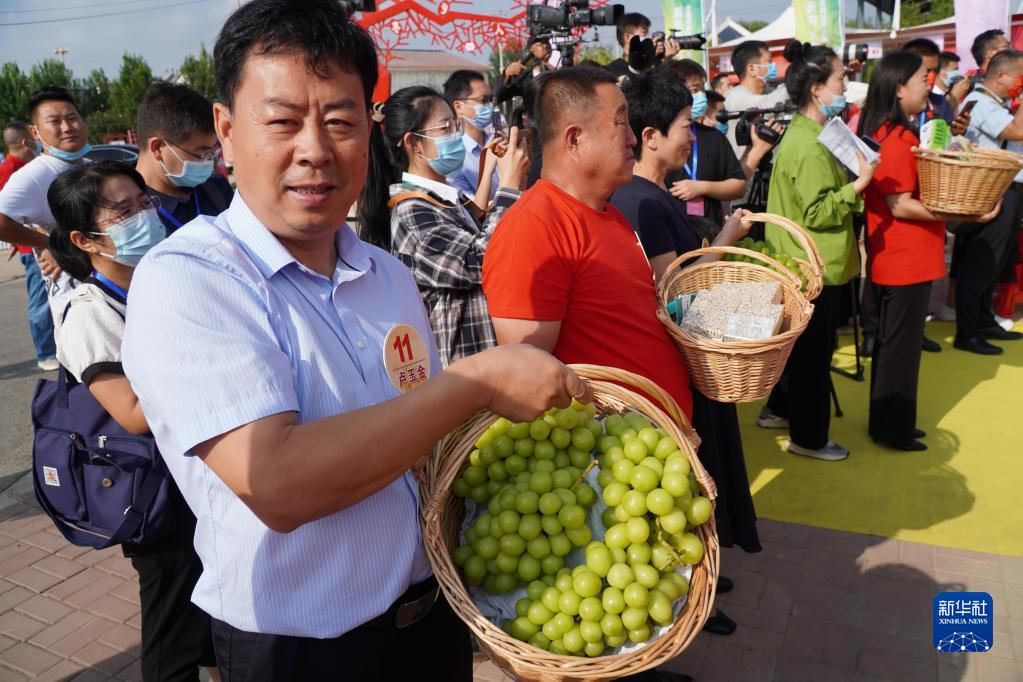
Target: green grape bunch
<point>532,480</point>
<point>784,259</point>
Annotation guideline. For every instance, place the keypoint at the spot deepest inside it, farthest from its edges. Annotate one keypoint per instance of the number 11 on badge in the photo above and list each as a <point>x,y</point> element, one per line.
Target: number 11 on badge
<point>406,357</point>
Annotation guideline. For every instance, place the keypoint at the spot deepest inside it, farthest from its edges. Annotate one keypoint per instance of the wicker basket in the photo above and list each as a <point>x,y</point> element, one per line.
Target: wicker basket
<point>443,513</point>
<point>740,371</point>
<point>968,183</point>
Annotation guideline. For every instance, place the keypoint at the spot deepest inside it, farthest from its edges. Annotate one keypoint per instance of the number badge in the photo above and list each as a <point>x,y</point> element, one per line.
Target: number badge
<point>406,357</point>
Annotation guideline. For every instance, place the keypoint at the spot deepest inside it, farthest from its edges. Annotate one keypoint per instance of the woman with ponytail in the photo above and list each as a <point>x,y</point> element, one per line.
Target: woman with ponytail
<point>810,187</point>
<point>905,247</point>
<point>407,206</point>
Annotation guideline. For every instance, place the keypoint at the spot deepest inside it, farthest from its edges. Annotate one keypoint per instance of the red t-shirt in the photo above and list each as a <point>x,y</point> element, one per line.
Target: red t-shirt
<point>10,164</point>
<point>552,257</point>
<point>900,252</point>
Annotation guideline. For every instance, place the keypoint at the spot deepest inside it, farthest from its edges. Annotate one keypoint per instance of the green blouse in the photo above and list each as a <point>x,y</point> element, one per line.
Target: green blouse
<point>810,187</point>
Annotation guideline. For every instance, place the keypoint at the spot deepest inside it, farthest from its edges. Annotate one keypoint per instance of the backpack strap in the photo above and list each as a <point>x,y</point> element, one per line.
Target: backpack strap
<point>136,513</point>
<point>474,210</point>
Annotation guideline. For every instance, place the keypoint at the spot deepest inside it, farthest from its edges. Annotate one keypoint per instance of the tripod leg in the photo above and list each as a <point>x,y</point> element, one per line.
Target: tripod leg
<point>856,332</point>
<point>834,398</point>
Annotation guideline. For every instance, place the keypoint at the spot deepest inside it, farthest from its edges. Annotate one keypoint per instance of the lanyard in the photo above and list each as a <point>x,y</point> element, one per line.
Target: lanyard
<point>110,285</point>
<point>170,216</point>
<point>923,118</point>
<point>694,156</point>
<point>984,91</point>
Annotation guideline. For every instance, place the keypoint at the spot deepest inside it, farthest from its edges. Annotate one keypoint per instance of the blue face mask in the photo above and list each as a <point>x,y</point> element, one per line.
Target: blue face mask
<point>134,237</point>
<point>67,156</point>
<point>193,173</point>
<point>484,116</point>
<point>699,105</point>
<point>837,106</point>
<point>39,147</point>
<point>450,155</point>
<point>722,128</point>
<point>772,71</point>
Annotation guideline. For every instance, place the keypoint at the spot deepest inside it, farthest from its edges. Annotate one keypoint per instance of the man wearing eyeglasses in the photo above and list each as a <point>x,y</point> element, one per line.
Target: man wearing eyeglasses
<point>177,151</point>
<point>472,100</point>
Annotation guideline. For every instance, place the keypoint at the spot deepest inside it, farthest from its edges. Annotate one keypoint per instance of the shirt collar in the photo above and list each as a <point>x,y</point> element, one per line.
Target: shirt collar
<point>800,121</point>
<point>271,256</point>
<point>444,191</point>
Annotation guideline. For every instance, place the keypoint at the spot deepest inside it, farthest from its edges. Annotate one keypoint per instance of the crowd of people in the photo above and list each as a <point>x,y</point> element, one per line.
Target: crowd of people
<point>510,247</point>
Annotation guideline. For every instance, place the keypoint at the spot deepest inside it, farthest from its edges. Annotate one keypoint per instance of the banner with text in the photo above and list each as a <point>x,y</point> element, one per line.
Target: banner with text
<point>686,18</point>
<point>820,22</point>
<point>973,17</point>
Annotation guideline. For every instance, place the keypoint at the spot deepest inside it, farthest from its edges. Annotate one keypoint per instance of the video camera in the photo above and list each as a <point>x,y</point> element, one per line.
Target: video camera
<point>692,42</point>
<point>570,14</point>
<point>751,117</point>
<point>855,52</point>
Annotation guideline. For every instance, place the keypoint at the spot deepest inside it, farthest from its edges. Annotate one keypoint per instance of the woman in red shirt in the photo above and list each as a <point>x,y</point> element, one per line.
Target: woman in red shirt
<point>905,247</point>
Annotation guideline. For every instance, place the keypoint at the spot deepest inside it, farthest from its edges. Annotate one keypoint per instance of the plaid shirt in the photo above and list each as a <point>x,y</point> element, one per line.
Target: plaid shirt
<point>443,247</point>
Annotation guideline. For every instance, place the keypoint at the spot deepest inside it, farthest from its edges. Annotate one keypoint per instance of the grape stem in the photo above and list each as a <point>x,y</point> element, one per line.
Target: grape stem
<point>593,463</point>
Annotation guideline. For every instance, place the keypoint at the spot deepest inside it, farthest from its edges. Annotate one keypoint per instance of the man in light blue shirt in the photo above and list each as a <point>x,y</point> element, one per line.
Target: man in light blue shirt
<point>980,257</point>
<point>256,346</point>
<point>470,96</point>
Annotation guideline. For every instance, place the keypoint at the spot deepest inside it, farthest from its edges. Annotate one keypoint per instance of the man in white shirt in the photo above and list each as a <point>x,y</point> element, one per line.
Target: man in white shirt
<point>753,64</point>
<point>980,257</point>
<point>60,131</point>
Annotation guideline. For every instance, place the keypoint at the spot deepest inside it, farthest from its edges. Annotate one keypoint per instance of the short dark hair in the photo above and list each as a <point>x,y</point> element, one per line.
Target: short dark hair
<point>946,58</point>
<point>809,65</point>
<point>459,84</point>
<point>684,69</point>
<point>746,52</point>
<point>629,23</point>
<point>714,97</point>
<point>50,93</point>
<point>655,97</point>
<point>925,47</point>
<point>566,92</point>
<point>1004,60</point>
<point>983,42</point>
<point>320,30</point>
<point>75,197</point>
<point>174,112</point>
<point>716,80</point>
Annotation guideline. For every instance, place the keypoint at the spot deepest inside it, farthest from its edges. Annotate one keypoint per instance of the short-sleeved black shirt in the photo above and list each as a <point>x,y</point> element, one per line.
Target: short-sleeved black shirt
<point>657,217</point>
<point>717,162</point>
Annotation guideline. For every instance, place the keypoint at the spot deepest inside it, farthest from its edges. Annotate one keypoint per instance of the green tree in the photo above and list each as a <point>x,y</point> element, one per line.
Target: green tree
<point>199,74</point>
<point>913,13</point>
<point>126,92</point>
<point>602,54</point>
<point>93,92</point>
<point>14,93</point>
<point>49,72</point>
<point>752,25</point>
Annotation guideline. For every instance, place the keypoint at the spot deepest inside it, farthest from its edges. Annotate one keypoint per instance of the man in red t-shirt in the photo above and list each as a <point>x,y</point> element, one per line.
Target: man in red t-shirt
<point>564,270</point>
<point>21,149</point>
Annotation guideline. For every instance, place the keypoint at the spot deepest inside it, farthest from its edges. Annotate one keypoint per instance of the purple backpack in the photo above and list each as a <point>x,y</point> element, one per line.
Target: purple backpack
<point>100,484</point>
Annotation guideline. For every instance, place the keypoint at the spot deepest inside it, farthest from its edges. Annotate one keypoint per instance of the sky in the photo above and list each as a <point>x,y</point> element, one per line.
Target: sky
<point>173,29</point>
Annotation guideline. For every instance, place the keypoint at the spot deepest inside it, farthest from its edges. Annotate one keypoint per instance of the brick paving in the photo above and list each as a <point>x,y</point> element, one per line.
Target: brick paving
<point>814,606</point>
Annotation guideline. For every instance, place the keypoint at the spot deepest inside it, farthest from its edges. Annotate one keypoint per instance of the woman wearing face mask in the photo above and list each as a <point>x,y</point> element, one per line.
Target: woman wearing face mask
<point>810,187</point>
<point>440,234</point>
<point>905,247</point>
<point>105,225</point>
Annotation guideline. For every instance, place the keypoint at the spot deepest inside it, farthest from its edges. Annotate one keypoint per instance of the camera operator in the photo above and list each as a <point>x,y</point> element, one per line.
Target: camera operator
<point>639,52</point>
<point>536,60</point>
<point>752,62</point>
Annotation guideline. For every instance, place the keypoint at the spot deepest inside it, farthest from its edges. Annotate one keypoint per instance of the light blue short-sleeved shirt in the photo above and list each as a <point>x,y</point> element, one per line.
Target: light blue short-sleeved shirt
<point>988,119</point>
<point>468,178</point>
<point>226,327</point>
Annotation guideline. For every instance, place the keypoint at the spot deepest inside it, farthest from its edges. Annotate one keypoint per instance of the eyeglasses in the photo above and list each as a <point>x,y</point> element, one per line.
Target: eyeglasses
<point>208,156</point>
<point>146,203</point>
<point>448,129</point>
<point>482,99</point>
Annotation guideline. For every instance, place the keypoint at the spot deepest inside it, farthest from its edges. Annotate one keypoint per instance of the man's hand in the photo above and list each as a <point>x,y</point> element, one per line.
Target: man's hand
<point>513,70</point>
<point>961,123</point>
<point>687,189</point>
<point>521,382</point>
<point>854,67</point>
<point>760,145</point>
<point>960,90</point>
<point>12,253</point>
<point>48,264</point>
<point>735,228</point>
<point>671,48</point>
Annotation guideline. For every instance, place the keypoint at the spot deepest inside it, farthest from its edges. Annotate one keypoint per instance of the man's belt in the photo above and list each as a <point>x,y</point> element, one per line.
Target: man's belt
<point>410,608</point>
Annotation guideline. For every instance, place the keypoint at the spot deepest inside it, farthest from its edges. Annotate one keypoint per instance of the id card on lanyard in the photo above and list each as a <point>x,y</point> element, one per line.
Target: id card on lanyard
<point>695,206</point>
<point>172,219</point>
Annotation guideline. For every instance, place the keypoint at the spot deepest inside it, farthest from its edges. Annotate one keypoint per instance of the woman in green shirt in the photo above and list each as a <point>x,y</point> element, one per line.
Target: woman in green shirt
<point>810,187</point>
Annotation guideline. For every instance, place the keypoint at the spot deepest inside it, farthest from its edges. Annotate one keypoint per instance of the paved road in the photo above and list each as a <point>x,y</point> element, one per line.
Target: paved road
<point>18,375</point>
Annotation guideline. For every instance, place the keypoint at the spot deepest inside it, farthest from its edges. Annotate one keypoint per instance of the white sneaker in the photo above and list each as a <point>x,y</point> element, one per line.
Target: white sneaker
<point>48,365</point>
<point>832,452</point>
<point>946,314</point>
<point>1005,323</point>
<point>769,420</point>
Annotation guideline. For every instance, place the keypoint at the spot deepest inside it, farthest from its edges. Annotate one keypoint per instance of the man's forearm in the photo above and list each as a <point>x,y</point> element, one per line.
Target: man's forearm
<point>13,232</point>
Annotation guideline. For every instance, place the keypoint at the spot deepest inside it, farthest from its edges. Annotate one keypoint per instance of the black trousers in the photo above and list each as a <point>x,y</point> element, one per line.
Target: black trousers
<point>437,647</point>
<point>870,308</point>
<point>804,394</point>
<point>980,259</point>
<point>895,371</point>
<point>176,636</point>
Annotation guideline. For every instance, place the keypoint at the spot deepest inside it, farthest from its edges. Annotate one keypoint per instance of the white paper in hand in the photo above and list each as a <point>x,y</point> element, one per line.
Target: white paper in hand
<point>843,143</point>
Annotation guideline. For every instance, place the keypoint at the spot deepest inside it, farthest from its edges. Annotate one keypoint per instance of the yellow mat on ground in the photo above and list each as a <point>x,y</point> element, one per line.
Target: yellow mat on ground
<point>966,491</point>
